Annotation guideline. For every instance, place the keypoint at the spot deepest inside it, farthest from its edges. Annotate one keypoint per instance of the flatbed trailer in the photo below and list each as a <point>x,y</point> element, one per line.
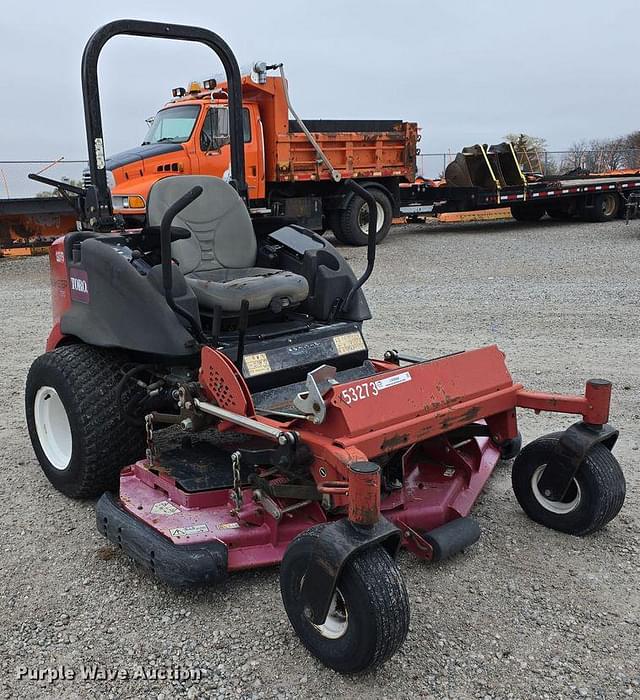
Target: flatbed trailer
<point>483,178</point>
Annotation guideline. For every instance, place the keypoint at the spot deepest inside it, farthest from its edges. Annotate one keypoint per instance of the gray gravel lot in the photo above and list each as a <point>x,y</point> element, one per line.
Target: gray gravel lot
<point>526,613</point>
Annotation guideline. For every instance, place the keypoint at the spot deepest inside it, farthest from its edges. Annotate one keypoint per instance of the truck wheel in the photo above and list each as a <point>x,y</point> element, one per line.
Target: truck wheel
<point>333,219</point>
<point>354,221</point>
<point>369,615</point>
<point>77,430</point>
<point>605,207</point>
<point>527,212</point>
<point>594,497</point>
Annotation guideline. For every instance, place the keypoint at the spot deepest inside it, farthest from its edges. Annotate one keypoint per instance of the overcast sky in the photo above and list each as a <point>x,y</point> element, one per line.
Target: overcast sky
<point>466,71</point>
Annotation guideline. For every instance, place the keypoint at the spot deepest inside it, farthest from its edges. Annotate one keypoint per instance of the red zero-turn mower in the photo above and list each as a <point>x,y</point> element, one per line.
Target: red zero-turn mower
<point>289,443</point>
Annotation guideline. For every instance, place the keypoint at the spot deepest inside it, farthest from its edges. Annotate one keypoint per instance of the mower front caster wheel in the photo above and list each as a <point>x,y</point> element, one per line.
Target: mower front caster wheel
<point>594,497</point>
<point>369,615</point>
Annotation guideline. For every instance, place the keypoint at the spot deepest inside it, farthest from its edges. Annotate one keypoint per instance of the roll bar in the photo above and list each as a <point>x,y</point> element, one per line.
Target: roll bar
<point>99,208</point>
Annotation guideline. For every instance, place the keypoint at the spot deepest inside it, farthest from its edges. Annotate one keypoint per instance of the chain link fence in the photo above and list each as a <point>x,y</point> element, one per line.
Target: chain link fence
<point>14,182</point>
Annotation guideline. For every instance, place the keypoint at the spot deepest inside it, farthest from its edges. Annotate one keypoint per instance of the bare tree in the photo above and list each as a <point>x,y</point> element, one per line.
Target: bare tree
<point>632,150</point>
<point>575,157</point>
<point>531,152</point>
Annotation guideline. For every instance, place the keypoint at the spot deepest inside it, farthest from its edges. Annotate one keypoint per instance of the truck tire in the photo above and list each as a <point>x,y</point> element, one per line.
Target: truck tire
<point>527,212</point>
<point>605,207</point>
<point>355,218</point>
<point>77,429</point>
<point>333,219</point>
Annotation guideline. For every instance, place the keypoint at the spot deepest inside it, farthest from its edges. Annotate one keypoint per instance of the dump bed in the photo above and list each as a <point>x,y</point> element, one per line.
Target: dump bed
<point>355,148</point>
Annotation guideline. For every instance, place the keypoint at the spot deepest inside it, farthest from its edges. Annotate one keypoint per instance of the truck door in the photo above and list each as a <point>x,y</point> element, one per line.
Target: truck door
<point>214,146</point>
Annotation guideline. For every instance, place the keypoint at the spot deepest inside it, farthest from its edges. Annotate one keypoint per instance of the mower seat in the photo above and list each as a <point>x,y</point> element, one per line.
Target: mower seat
<point>218,260</point>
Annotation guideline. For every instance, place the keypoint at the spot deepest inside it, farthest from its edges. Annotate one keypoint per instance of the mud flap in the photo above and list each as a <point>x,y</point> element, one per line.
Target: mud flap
<point>573,446</point>
<point>178,565</point>
<point>337,543</point>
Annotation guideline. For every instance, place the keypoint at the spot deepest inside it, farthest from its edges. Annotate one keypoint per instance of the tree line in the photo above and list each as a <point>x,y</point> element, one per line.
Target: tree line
<point>594,155</point>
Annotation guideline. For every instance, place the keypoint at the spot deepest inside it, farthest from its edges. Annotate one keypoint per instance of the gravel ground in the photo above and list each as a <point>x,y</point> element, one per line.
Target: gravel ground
<point>526,613</point>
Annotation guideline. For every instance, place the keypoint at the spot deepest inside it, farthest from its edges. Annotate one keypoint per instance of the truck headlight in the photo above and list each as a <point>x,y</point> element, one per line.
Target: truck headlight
<point>130,201</point>
<point>111,181</point>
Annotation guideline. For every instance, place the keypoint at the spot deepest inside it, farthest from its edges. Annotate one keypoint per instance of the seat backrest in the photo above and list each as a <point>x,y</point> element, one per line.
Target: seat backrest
<point>222,234</point>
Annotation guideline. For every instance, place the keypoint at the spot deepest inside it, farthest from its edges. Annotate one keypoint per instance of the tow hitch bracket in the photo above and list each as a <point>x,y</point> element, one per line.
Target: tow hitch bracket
<point>573,446</point>
<point>337,543</point>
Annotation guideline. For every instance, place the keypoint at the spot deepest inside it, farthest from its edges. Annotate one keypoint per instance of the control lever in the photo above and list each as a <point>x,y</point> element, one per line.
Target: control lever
<point>165,258</point>
<point>371,242</point>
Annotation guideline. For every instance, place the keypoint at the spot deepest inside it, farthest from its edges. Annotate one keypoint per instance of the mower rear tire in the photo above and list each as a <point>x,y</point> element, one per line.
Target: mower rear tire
<point>594,497</point>
<point>77,430</point>
<point>354,220</point>
<point>527,212</point>
<point>369,616</point>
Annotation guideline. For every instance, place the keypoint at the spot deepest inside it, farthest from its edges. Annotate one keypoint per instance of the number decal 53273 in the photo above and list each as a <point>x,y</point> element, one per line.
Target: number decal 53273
<point>368,390</point>
<point>358,392</point>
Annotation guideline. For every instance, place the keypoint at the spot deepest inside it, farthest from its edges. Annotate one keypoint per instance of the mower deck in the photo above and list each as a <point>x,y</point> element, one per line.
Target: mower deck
<point>187,501</point>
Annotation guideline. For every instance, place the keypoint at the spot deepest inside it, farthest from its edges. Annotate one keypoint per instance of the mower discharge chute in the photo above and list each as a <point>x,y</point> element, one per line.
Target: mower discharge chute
<point>220,384</point>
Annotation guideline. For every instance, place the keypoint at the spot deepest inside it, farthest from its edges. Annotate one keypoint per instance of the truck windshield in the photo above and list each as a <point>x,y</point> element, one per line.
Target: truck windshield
<point>172,125</point>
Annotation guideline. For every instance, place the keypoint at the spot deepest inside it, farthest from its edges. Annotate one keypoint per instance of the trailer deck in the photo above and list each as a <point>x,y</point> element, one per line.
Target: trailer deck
<point>426,198</point>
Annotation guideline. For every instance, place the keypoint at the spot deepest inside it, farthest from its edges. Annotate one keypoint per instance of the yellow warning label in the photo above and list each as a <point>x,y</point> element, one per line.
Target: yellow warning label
<point>257,363</point>
<point>349,342</point>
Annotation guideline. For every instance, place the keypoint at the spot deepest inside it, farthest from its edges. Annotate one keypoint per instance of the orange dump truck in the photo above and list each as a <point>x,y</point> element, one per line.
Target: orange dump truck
<point>294,170</point>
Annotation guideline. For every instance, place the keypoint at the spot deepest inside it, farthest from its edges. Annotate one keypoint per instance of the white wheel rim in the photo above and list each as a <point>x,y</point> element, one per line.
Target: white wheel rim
<point>52,427</point>
<point>557,507</point>
<point>363,218</point>
<point>608,205</point>
<point>337,618</point>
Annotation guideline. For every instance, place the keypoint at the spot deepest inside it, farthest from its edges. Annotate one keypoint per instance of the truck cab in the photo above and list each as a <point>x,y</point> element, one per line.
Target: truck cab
<point>293,169</point>
<point>188,136</point>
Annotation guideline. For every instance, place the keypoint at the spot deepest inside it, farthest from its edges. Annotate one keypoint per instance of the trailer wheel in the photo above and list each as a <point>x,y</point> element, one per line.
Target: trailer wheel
<point>605,207</point>
<point>75,424</point>
<point>594,497</point>
<point>369,615</point>
<point>527,212</point>
<point>559,213</point>
<point>354,220</point>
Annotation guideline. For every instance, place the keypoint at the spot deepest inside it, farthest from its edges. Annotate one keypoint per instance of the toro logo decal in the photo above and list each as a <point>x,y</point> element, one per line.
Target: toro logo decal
<point>79,286</point>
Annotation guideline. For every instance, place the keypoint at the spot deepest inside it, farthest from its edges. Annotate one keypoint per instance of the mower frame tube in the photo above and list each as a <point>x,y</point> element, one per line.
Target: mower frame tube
<point>100,196</point>
<point>580,438</point>
<point>593,406</point>
<point>337,543</point>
